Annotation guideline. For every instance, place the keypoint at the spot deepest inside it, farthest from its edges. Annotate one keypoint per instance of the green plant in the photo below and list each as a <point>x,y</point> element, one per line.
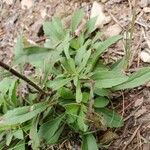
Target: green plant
<point>71,92</point>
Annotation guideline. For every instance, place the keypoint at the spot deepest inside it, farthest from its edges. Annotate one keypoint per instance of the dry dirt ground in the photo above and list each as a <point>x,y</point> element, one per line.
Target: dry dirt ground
<point>18,18</point>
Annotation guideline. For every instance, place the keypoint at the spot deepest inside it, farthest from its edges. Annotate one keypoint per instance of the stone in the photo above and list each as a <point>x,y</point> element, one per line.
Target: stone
<point>144,3</point>
<point>97,11</point>
<point>145,56</point>
<point>113,30</point>
<point>146,9</point>
<point>26,4</point>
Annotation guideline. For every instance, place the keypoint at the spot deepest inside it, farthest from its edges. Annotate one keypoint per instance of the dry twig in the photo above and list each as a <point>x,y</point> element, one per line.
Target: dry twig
<point>17,74</point>
<point>132,137</point>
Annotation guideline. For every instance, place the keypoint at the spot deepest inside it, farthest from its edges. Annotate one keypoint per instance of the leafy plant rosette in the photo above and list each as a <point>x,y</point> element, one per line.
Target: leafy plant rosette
<point>70,70</point>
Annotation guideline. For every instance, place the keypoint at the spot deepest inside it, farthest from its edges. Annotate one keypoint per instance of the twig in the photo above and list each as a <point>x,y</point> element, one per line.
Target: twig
<point>123,107</point>
<point>134,54</point>
<point>40,40</point>
<point>114,18</point>
<point>17,74</point>
<point>132,137</point>
<point>132,114</point>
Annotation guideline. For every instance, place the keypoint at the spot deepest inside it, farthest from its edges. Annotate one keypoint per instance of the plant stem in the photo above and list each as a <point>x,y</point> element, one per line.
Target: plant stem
<point>24,78</point>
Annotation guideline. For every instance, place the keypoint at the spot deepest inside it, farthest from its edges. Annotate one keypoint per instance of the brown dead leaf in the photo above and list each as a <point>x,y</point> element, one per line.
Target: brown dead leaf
<point>138,102</point>
<point>140,112</point>
<point>108,137</point>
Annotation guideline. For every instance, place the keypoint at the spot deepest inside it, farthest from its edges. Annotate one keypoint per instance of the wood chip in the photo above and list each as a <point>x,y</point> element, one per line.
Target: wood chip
<point>138,102</point>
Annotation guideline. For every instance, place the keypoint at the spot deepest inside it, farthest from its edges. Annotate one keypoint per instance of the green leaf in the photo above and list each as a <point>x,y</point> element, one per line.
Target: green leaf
<point>75,44</point>
<point>78,92</point>
<point>18,134</point>
<point>5,85</point>
<point>108,79</point>
<point>19,146</point>
<point>85,60</point>
<point>101,102</point>
<point>66,93</point>
<point>72,112</point>
<point>34,137</point>
<point>118,65</point>
<point>89,142</point>
<point>97,37</point>
<point>136,79</point>
<point>81,39</point>
<point>69,66</point>
<point>21,114</point>
<point>9,137</point>
<point>71,63</point>
<point>54,29</point>
<point>56,136</point>
<point>90,25</point>
<point>28,52</point>
<point>58,83</point>
<point>101,92</point>
<point>66,45</point>
<point>76,19</point>
<point>35,55</point>
<point>100,66</point>
<point>102,47</point>
<point>49,129</point>
<point>19,47</point>
<point>81,119</point>
<point>85,97</point>
<point>113,120</point>
<point>35,50</point>
<point>12,92</point>
<point>80,55</point>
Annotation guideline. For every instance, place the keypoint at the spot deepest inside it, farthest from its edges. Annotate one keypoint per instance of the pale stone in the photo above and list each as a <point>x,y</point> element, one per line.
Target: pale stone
<point>146,9</point>
<point>113,30</point>
<point>26,4</point>
<point>97,11</point>
<point>145,56</point>
<point>43,13</point>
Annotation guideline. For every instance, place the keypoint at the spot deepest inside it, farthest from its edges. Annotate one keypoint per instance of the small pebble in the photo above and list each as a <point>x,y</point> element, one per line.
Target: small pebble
<point>146,9</point>
<point>26,4</point>
<point>144,3</point>
<point>145,56</point>
<point>113,30</point>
